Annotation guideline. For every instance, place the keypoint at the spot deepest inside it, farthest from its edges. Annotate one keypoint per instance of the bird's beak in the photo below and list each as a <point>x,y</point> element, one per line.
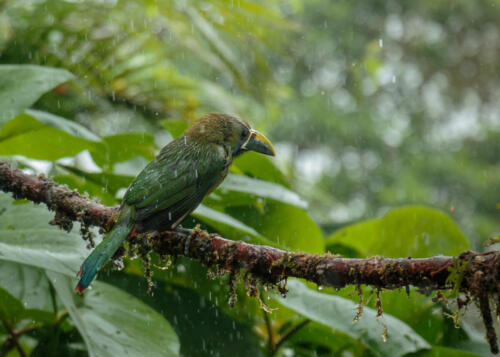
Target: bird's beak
<point>259,143</point>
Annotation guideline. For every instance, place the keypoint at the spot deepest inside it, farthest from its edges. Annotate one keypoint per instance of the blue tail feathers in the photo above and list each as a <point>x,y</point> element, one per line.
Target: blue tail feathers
<point>101,254</point>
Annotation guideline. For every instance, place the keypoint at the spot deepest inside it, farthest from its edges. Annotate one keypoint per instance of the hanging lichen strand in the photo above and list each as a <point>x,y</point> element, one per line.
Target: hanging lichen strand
<point>475,275</point>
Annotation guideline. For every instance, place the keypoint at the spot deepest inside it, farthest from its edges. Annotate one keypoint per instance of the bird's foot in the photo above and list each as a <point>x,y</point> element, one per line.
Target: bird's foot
<point>189,233</point>
<point>180,229</point>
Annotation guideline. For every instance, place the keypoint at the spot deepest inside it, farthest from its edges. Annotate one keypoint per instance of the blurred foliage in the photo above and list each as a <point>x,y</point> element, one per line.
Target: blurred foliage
<point>387,125</point>
<point>395,103</point>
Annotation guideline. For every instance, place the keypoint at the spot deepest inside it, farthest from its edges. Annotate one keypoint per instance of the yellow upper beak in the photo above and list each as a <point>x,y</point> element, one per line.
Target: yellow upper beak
<point>259,143</point>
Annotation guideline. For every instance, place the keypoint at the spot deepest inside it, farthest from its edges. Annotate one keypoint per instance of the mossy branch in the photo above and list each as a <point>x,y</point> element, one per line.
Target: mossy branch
<point>478,275</point>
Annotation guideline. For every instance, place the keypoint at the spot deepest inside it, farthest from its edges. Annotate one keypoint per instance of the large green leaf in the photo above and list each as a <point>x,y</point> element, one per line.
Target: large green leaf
<point>260,166</point>
<point>102,185</point>
<point>272,210</point>
<point>68,126</point>
<point>226,225</point>
<point>338,313</point>
<point>287,226</point>
<point>110,321</point>
<point>22,85</point>
<point>26,237</point>
<point>440,351</point>
<point>192,275</point>
<point>11,309</point>
<point>415,231</point>
<point>260,188</point>
<point>320,336</point>
<point>123,147</point>
<point>416,310</point>
<point>25,135</point>
<point>197,316</point>
<point>114,323</point>
<point>81,184</point>
<point>27,284</point>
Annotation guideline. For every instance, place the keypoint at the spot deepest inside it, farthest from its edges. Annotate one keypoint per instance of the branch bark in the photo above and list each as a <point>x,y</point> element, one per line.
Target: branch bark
<point>477,274</point>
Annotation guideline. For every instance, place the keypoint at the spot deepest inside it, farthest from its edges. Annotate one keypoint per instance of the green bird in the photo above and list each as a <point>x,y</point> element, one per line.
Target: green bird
<point>171,186</point>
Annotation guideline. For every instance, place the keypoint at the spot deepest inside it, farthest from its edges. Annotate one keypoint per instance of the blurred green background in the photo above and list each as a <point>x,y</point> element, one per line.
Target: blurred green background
<point>386,119</point>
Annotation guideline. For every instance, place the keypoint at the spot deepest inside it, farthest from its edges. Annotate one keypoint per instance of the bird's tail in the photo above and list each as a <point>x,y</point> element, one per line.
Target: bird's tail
<point>101,254</point>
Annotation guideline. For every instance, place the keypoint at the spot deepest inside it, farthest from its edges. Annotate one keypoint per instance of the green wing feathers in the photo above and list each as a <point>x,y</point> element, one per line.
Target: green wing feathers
<point>161,196</point>
<point>174,184</point>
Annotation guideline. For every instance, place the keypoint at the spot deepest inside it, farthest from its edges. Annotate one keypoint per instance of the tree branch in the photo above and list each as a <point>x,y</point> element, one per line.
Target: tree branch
<point>270,338</point>
<point>479,273</point>
<point>13,338</point>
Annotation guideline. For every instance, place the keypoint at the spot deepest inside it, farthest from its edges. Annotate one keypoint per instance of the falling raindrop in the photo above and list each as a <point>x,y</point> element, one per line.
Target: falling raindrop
<point>381,43</point>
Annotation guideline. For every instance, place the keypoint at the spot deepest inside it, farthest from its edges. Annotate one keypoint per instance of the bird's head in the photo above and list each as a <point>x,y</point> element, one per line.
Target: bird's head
<point>230,132</point>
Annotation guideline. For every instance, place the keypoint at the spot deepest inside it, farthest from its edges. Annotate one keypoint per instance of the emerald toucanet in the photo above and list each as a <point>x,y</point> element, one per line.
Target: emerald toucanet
<point>176,181</point>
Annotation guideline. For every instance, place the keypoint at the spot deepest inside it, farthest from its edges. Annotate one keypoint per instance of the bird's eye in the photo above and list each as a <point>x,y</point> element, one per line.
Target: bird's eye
<point>244,134</point>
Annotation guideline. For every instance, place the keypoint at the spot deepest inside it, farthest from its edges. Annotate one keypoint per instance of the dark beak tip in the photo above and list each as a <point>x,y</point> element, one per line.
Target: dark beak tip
<point>262,148</point>
<point>259,143</point>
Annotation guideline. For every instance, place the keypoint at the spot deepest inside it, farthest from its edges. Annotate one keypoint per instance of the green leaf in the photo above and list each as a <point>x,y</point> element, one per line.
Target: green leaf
<point>109,182</point>
<point>102,185</point>
<point>27,238</point>
<point>22,85</point>
<point>27,284</point>
<point>260,166</point>
<point>123,147</point>
<point>25,135</point>
<point>415,231</point>
<point>217,43</point>
<point>197,318</point>
<point>260,188</point>
<point>108,314</point>
<point>440,351</point>
<point>418,311</point>
<point>114,323</point>
<point>30,287</point>
<point>475,348</point>
<point>81,184</point>
<point>338,313</point>
<point>271,210</point>
<point>175,127</point>
<point>287,226</point>
<point>226,225</point>
<point>71,127</point>
<point>11,309</point>
<point>321,336</point>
